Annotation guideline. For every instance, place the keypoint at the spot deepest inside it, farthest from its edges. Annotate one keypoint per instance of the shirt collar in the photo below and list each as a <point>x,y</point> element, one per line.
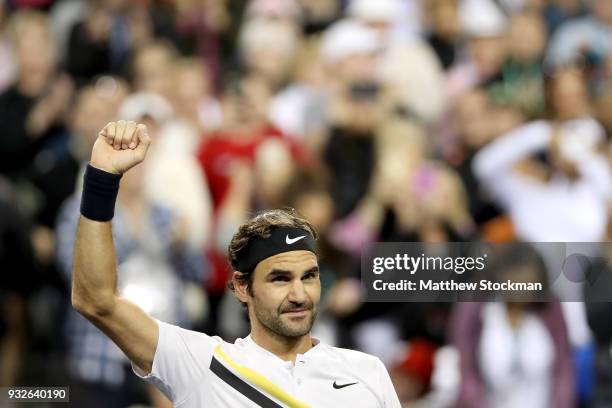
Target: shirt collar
<point>316,346</point>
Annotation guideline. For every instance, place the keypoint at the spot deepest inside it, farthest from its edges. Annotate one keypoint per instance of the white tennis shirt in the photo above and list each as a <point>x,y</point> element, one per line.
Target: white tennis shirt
<point>198,371</point>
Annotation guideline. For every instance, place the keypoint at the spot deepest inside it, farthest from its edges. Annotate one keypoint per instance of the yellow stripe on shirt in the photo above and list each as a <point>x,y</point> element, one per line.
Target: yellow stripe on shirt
<point>261,382</point>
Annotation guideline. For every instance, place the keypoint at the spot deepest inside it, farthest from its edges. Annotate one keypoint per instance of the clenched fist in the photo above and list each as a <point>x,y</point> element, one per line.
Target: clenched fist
<point>120,146</point>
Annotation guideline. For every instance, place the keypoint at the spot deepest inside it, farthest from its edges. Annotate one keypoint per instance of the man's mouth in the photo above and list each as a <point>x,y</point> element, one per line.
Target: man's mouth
<point>297,312</point>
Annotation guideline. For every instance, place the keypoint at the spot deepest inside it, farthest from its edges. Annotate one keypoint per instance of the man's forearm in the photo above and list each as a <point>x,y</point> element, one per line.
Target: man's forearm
<point>119,147</point>
<point>94,281</point>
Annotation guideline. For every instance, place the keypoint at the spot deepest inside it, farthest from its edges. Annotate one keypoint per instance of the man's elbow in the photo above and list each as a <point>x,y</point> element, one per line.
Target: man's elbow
<point>102,306</point>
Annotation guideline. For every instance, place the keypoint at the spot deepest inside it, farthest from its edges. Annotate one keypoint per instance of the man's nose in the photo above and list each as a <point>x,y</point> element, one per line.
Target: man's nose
<point>298,292</point>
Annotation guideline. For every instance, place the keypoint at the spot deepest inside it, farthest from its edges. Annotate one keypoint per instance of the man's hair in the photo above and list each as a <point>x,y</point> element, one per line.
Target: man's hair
<point>261,226</point>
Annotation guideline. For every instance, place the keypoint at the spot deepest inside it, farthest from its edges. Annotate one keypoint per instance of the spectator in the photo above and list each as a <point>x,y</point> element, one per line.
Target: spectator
<point>197,28</point>
<point>349,153</point>
<point>173,176</point>
<point>408,66</point>
<point>57,167</point>
<point>553,183</point>
<point>245,127</point>
<point>299,109</point>
<point>477,121</point>
<point>585,39</point>
<point>573,181</point>
<point>192,96</point>
<point>268,48</point>
<point>103,42</point>
<point>94,106</point>
<point>521,86</point>
<point>513,354</point>
<point>485,26</point>
<point>32,108</point>
<point>411,375</point>
<point>444,30</point>
<point>152,66</point>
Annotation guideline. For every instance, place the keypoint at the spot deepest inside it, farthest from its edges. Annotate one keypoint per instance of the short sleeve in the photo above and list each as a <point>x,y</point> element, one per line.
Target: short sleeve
<point>182,358</point>
<point>389,396</point>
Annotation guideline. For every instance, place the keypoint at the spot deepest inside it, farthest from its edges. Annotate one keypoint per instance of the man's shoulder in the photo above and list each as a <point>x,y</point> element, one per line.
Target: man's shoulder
<point>189,337</point>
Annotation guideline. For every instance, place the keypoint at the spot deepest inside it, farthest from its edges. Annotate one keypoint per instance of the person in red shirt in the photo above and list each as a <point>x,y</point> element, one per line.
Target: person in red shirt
<point>245,152</point>
<point>245,127</point>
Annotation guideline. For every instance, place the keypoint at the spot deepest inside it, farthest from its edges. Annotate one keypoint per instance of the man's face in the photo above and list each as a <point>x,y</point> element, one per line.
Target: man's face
<point>246,104</point>
<point>285,293</point>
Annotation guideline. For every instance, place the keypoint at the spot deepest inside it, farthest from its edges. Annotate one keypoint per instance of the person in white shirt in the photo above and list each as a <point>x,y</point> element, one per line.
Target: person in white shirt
<point>548,207</point>
<point>565,199</point>
<point>277,279</point>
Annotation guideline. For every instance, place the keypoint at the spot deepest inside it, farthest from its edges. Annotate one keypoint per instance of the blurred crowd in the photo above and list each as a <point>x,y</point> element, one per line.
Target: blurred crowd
<point>377,120</point>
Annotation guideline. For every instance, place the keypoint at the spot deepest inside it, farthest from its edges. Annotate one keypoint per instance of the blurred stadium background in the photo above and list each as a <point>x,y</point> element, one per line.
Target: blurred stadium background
<point>378,120</point>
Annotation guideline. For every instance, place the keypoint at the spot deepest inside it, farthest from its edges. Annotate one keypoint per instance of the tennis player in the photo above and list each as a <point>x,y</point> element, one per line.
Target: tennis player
<point>276,278</point>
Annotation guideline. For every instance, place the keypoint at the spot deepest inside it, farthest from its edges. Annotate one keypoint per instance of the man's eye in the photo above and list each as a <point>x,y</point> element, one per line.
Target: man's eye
<point>310,276</point>
<point>280,279</point>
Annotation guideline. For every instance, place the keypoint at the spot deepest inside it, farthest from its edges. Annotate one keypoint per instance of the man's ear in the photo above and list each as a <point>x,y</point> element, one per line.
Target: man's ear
<point>240,286</point>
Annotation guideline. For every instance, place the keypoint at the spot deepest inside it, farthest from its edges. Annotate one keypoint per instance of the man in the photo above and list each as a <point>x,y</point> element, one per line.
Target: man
<point>277,278</point>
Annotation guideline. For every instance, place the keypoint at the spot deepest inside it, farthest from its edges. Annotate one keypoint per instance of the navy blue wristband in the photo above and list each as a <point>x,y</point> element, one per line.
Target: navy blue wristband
<point>100,190</point>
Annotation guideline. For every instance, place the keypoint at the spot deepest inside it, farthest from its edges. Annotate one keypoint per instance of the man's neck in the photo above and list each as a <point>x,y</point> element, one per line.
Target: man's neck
<point>286,348</point>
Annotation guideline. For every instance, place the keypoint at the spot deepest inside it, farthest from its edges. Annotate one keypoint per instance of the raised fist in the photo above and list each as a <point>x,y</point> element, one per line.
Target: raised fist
<point>120,146</point>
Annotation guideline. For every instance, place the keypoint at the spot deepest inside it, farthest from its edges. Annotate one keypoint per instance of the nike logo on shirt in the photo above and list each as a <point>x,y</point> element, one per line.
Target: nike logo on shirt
<point>338,386</point>
<point>290,241</point>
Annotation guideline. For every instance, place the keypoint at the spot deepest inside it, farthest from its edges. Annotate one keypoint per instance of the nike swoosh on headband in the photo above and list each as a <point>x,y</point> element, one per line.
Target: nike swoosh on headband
<point>290,241</point>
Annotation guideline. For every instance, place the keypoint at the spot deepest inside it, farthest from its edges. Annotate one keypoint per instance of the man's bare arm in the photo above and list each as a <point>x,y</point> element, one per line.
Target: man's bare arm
<point>119,147</point>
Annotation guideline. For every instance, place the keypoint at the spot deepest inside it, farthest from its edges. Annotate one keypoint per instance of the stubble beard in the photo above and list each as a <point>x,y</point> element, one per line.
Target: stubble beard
<point>276,324</point>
